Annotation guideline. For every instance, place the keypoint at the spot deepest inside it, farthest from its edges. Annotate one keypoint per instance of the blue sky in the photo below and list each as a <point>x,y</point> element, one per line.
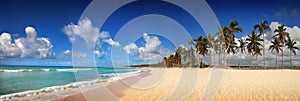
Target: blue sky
<point>50,17</point>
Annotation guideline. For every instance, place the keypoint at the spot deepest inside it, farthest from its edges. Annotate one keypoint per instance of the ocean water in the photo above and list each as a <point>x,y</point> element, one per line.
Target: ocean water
<point>15,79</point>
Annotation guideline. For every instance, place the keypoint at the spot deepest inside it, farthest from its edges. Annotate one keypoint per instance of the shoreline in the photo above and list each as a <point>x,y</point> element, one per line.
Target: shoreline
<point>177,83</point>
<point>116,86</point>
<point>67,89</point>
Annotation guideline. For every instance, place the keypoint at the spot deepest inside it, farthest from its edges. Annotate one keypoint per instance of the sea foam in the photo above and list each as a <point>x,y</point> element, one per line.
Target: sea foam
<point>113,77</point>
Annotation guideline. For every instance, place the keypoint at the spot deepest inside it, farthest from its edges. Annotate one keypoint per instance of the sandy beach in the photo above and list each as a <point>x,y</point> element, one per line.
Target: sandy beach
<point>178,84</point>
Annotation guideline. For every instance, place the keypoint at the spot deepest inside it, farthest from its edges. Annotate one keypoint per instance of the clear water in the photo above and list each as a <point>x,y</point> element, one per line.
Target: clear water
<point>15,79</point>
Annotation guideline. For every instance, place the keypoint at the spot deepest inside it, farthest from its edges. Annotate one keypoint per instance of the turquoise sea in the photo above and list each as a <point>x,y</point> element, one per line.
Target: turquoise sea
<point>15,79</point>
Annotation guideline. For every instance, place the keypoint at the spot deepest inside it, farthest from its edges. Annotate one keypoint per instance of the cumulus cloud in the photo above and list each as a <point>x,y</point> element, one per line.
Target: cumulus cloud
<point>112,42</point>
<point>85,30</point>
<point>150,52</point>
<point>131,49</point>
<point>29,46</point>
<point>7,48</point>
<point>91,36</point>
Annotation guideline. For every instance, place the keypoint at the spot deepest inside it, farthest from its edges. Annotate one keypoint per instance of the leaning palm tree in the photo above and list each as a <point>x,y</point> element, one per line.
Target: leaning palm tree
<point>242,48</point>
<point>254,44</point>
<point>291,46</point>
<point>233,28</point>
<point>201,47</point>
<point>277,46</point>
<point>262,28</point>
<point>282,35</point>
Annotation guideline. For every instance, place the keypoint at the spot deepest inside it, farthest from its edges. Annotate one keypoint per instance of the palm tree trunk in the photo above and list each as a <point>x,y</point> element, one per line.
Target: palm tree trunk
<point>220,56</point>
<point>250,60</point>
<point>229,60</point>
<point>291,59</point>
<point>210,58</point>
<point>201,63</point>
<point>282,59</point>
<point>191,60</point>
<point>256,61</point>
<point>240,59</point>
<point>264,51</point>
<point>276,60</point>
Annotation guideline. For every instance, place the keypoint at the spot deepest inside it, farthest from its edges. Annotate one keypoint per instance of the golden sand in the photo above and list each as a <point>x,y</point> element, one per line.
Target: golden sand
<point>179,84</point>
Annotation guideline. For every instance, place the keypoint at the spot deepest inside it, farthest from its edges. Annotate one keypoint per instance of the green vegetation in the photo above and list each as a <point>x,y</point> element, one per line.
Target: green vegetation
<point>224,42</point>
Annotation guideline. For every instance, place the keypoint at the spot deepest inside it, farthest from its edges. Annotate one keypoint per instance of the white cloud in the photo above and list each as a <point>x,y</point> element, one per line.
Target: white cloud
<point>29,46</point>
<point>69,53</point>
<point>112,42</point>
<point>151,43</point>
<point>7,48</point>
<point>98,53</point>
<point>151,51</point>
<point>31,33</point>
<point>91,36</point>
<point>293,31</point>
<point>85,30</point>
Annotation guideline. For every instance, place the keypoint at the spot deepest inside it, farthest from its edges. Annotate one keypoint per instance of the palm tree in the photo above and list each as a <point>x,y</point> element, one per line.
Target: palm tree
<point>222,36</point>
<point>250,51</point>
<point>254,44</point>
<point>281,35</point>
<point>277,46</point>
<point>257,52</point>
<point>201,47</point>
<point>242,48</point>
<point>291,45</point>
<point>211,40</point>
<point>166,61</point>
<point>191,52</point>
<point>231,46</point>
<point>230,38</point>
<point>262,28</point>
<point>233,28</point>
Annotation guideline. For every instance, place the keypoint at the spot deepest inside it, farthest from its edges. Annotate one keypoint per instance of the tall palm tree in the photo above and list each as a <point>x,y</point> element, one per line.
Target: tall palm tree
<point>291,46</point>
<point>201,47</point>
<point>231,46</point>
<point>242,48</point>
<point>254,44</point>
<point>222,36</point>
<point>277,46</point>
<point>250,51</point>
<point>191,52</point>
<point>230,37</point>
<point>211,40</point>
<point>257,52</point>
<point>262,28</point>
<point>282,35</point>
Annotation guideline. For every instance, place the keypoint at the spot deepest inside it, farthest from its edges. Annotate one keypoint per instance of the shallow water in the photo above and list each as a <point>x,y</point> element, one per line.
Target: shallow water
<point>15,79</point>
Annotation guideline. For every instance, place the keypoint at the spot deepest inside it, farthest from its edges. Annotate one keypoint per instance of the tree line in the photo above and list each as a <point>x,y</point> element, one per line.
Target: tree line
<point>224,42</point>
